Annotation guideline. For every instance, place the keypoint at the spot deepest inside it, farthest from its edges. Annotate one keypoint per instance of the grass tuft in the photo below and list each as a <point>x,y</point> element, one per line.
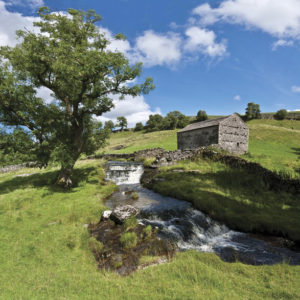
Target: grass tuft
<point>128,240</point>
<point>130,223</point>
<point>148,231</point>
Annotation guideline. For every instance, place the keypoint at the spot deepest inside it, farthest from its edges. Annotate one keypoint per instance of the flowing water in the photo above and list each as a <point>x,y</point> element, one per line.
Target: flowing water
<point>189,228</point>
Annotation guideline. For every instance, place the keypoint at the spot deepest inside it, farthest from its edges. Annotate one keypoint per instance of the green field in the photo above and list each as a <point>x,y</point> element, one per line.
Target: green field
<point>274,144</point>
<point>44,251</point>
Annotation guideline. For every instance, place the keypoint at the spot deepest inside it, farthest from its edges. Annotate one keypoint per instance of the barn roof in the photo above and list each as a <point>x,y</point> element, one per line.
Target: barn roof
<point>203,124</point>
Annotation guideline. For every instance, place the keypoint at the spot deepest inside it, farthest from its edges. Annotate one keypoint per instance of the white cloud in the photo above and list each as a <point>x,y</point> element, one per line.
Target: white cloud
<point>204,41</point>
<point>134,109</point>
<point>158,49</point>
<point>295,89</point>
<point>280,18</point>
<point>282,43</point>
<point>10,22</point>
<point>115,44</point>
<point>45,94</point>
<point>237,98</point>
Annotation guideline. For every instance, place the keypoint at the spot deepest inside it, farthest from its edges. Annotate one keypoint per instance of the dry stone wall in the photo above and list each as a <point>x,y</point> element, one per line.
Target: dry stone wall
<point>272,180</point>
<point>17,167</point>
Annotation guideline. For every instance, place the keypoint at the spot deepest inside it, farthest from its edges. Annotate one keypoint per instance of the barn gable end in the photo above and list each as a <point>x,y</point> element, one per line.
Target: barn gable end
<point>233,134</point>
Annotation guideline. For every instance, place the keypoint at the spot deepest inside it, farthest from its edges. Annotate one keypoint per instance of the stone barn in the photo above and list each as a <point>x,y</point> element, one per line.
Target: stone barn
<point>230,133</point>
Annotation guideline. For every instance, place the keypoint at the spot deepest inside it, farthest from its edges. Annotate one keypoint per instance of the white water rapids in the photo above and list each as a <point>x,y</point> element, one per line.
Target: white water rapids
<point>189,228</point>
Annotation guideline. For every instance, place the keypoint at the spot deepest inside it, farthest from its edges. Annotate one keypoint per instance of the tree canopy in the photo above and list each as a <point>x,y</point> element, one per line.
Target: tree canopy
<point>201,116</point>
<point>122,123</point>
<point>139,126</point>
<point>176,119</point>
<point>16,147</point>
<point>281,114</point>
<point>253,111</point>
<point>69,56</point>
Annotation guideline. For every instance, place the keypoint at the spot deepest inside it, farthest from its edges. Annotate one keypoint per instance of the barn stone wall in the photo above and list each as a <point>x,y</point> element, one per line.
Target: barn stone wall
<point>234,135</point>
<point>197,138</point>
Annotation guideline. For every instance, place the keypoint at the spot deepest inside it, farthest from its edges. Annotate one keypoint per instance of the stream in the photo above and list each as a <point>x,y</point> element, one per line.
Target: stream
<point>188,227</point>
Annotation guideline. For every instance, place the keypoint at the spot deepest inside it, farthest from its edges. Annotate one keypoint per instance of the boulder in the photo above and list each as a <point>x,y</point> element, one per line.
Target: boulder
<point>105,215</point>
<point>121,213</point>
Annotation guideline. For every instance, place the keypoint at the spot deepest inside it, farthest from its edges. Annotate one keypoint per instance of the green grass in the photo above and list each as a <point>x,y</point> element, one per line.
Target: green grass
<point>233,196</point>
<point>130,223</point>
<point>45,251</point>
<point>128,240</point>
<point>274,144</point>
<point>148,231</point>
<point>135,141</point>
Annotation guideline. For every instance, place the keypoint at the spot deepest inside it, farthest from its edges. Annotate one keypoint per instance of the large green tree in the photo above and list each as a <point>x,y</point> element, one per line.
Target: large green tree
<point>122,123</point>
<point>253,111</point>
<point>70,57</point>
<point>176,119</point>
<point>201,116</point>
<point>155,123</point>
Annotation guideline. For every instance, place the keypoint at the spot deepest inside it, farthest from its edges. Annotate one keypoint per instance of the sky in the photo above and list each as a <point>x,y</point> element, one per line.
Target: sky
<point>215,55</point>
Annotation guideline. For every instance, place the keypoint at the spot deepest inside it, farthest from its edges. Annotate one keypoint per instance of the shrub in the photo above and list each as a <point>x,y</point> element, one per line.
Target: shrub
<point>281,114</point>
<point>128,240</point>
<point>130,223</point>
<point>148,231</point>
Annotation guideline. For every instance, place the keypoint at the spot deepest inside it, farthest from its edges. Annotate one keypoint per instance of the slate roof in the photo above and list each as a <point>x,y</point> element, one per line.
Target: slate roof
<point>203,124</point>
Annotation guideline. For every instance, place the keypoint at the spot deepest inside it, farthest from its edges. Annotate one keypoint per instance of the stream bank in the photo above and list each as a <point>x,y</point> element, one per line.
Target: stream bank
<point>232,196</point>
<point>177,223</point>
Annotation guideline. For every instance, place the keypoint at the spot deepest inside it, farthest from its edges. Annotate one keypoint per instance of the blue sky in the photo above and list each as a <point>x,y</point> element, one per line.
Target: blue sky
<point>211,55</point>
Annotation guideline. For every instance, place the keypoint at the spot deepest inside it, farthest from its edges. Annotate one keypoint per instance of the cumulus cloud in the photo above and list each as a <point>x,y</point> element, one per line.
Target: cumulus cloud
<point>134,109</point>
<point>278,18</point>
<point>295,89</point>
<point>10,22</point>
<point>203,41</point>
<point>237,97</point>
<point>115,44</point>
<point>157,49</point>
<point>282,43</point>
<point>151,48</point>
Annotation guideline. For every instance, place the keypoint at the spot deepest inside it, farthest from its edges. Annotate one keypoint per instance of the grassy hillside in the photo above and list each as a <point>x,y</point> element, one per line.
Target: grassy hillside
<point>44,252</point>
<point>274,144</point>
<point>134,141</point>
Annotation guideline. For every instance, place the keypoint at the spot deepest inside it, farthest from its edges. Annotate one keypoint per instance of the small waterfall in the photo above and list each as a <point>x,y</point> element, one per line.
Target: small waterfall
<point>124,172</point>
<point>189,228</point>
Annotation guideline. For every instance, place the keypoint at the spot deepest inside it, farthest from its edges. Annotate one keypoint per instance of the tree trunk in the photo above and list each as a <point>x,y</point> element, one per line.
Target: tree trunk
<point>64,177</point>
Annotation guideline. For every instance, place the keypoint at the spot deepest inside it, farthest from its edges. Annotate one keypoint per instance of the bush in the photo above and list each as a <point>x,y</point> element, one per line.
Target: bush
<point>128,240</point>
<point>201,116</point>
<point>130,223</point>
<point>281,114</point>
